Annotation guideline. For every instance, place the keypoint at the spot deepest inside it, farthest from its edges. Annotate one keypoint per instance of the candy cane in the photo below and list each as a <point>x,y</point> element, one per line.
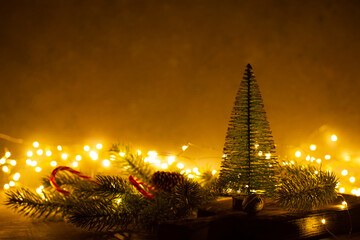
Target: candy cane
<point>138,185</point>
<point>64,168</point>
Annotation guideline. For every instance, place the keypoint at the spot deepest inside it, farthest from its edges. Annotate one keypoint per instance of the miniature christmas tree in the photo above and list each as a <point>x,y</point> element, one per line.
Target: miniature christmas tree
<point>249,161</point>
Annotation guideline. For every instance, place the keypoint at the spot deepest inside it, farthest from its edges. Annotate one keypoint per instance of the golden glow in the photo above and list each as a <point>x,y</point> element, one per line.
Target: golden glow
<point>93,155</point>
<point>316,172</point>
<point>29,153</point>
<point>188,171</point>
<point>180,165</point>
<point>164,166</point>
<point>342,190</point>
<point>196,171</point>
<point>256,146</point>
<point>152,153</point>
<point>298,154</point>
<point>33,163</point>
<point>138,152</point>
<point>344,172</point>
<point>224,156</point>
<point>190,176</point>
<point>260,153</point>
<point>13,162</point>
<point>59,148</point>
<point>347,158</point>
<point>2,161</point>
<point>99,146</point>
<point>344,203</point>
<point>213,172</point>
<point>64,156</point>
<point>38,169</point>
<point>6,186</point>
<point>122,154</point>
<point>86,148</point>
<point>119,201</point>
<point>268,155</point>
<point>36,144</point>
<point>12,183</point>
<point>352,179</point>
<point>39,152</point>
<point>16,176</point>
<point>318,160</point>
<point>323,221</point>
<point>48,153</point>
<point>171,160</point>
<point>334,138</point>
<point>184,147</point>
<point>354,191</point>
<point>5,169</point>
<point>28,161</point>
<point>53,163</point>
<point>307,158</point>
<point>75,164</point>
<point>7,154</point>
<point>327,157</point>
<point>106,163</point>
<point>78,157</point>
<point>40,189</point>
<point>312,147</point>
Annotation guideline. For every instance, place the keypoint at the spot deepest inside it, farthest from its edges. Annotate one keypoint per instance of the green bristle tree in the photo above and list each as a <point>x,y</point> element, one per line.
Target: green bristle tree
<point>249,162</point>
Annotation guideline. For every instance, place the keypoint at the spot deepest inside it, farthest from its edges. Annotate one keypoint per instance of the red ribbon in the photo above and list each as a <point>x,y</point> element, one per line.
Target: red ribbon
<point>139,186</point>
<point>63,168</point>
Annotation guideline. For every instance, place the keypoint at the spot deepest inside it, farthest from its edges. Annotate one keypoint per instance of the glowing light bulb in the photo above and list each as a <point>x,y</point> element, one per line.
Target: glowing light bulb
<point>190,176</point>
<point>316,172</point>
<point>33,163</point>
<point>138,152</point>
<point>53,163</point>
<point>6,186</point>
<point>298,154</point>
<point>36,144</point>
<point>318,160</point>
<point>13,162</point>
<point>196,171</point>
<point>48,153</point>
<point>164,166</point>
<point>59,148</point>
<point>16,176</point>
<point>78,157</point>
<point>29,153</point>
<point>327,157</point>
<point>12,183</point>
<point>93,155</point>
<point>184,147</point>
<point>64,156</point>
<point>307,158</point>
<point>256,146</point>
<point>28,161</point>
<point>75,164</point>
<point>344,172</point>
<point>2,161</point>
<point>312,147</point>
<point>86,148</point>
<point>38,169</point>
<point>342,190</point>
<point>188,171</point>
<point>344,203</point>
<point>268,155</point>
<point>99,146</point>
<point>119,201</point>
<point>171,160</point>
<point>7,154</point>
<point>152,153</point>
<point>180,165</point>
<point>224,156</point>
<point>354,191</point>
<point>39,152</point>
<point>334,138</point>
<point>106,163</point>
<point>260,153</point>
<point>323,221</point>
<point>352,179</point>
<point>5,169</point>
<point>213,172</point>
<point>122,154</point>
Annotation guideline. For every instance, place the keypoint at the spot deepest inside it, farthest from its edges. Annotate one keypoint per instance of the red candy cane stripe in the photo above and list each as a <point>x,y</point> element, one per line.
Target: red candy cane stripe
<point>138,185</point>
<point>64,168</point>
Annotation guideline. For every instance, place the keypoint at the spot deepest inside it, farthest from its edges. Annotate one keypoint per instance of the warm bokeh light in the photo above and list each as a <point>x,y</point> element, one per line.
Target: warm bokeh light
<point>164,166</point>
<point>36,144</point>
<point>323,221</point>
<point>64,156</point>
<point>213,172</point>
<point>53,163</point>
<point>171,160</point>
<point>334,138</point>
<point>138,152</point>
<point>327,157</point>
<point>5,169</point>
<point>78,157</point>
<point>16,176</point>
<point>122,154</point>
<point>307,158</point>
<point>2,161</point>
<point>33,163</point>
<point>297,154</point>
<point>59,148</point>
<point>29,153</point>
<point>318,160</point>
<point>48,153</point>
<point>86,148</point>
<point>180,165</point>
<point>7,154</point>
<point>6,186</point>
<point>39,152</point>
<point>260,153</point>
<point>313,147</point>
<point>38,169</point>
<point>342,190</point>
<point>352,179</point>
<point>93,155</point>
<point>344,172</point>
<point>99,146</point>
<point>267,155</point>
<point>184,147</point>
<point>12,183</point>
<point>106,163</point>
<point>28,161</point>
<point>75,164</point>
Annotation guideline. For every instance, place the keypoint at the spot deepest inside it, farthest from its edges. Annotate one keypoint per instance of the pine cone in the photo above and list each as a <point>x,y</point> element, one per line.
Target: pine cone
<point>166,181</point>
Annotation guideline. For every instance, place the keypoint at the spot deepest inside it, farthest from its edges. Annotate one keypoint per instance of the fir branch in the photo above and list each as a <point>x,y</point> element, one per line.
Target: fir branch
<point>112,186</point>
<point>28,203</point>
<point>305,188</point>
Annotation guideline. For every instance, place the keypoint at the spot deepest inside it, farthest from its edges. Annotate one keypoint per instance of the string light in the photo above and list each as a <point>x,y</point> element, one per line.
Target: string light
<point>53,163</point>
<point>39,152</point>
<point>59,148</point>
<point>106,163</point>
<point>36,144</point>
<point>138,152</point>
<point>64,156</point>
<point>7,154</point>
<point>2,161</point>
<point>297,154</point>
<point>99,146</point>
<point>6,186</point>
<point>323,221</point>
<point>327,157</point>
<point>164,166</point>
<point>184,147</point>
<point>48,153</point>
<point>93,155</point>
<point>16,176</point>
<point>213,172</point>
<point>29,153</point>
<point>334,138</point>
<point>352,179</point>
<point>342,190</point>
<point>344,172</point>
<point>180,165</point>
<point>33,163</point>
<point>122,154</point>
<point>86,148</point>
<point>12,183</point>
<point>75,164</point>
<point>171,160</point>
<point>78,157</point>
<point>312,147</point>
<point>38,169</point>
<point>5,169</point>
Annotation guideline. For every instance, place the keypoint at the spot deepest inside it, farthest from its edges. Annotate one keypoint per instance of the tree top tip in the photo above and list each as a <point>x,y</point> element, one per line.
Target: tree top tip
<point>249,66</point>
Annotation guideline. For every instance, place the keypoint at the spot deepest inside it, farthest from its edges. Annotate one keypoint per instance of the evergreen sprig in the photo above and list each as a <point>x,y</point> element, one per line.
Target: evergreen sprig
<point>304,188</point>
